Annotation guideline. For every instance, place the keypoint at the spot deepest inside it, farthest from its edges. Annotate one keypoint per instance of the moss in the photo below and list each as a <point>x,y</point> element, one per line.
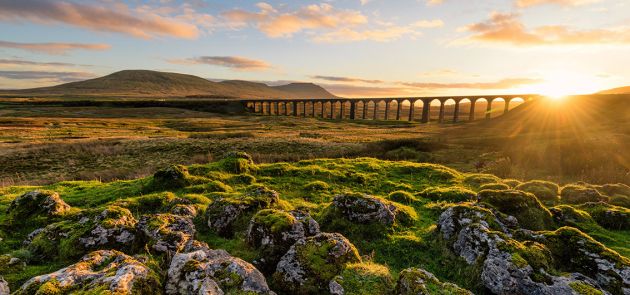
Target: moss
<point>209,187</point>
<point>608,216</point>
<point>237,163</point>
<point>152,203</point>
<point>621,201</point>
<point>242,179</point>
<point>477,180</point>
<point>615,189</point>
<point>171,178</point>
<point>567,215</point>
<point>276,220</point>
<point>449,194</point>
<point>578,194</point>
<point>365,278</point>
<point>50,288</point>
<point>584,289</point>
<point>512,183</point>
<point>402,197</point>
<point>529,212</point>
<point>494,186</point>
<point>316,186</point>
<point>545,191</point>
<point>418,281</point>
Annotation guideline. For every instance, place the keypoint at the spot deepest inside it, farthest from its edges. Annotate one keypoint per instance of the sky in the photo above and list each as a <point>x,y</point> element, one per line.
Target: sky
<point>354,48</point>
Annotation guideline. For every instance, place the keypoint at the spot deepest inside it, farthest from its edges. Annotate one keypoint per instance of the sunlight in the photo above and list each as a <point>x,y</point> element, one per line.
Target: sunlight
<point>559,84</point>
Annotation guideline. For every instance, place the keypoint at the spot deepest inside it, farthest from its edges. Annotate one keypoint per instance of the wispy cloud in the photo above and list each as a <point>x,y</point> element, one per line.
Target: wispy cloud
<point>507,28</point>
<point>53,48</point>
<point>60,77</point>
<point>110,17</point>
<point>346,79</point>
<point>528,3</point>
<point>234,62</point>
<point>21,62</point>
<point>501,84</point>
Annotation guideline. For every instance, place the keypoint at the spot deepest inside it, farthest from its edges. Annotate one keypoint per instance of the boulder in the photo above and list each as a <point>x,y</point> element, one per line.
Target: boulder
<point>166,233</point>
<point>205,271</point>
<point>362,208</point>
<point>237,162</point>
<point>37,203</point>
<point>545,191</point>
<point>273,232</point>
<point>171,178</point>
<point>577,194</point>
<point>608,216</point>
<point>224,213</point>
<point>4,287</point>
<point>529,212</point>
<point>569,215</point>
<point>185,210</point>
<point>417,281</point>
<point>109,271</point>
<point>114,227</point>
<point>311,263</point>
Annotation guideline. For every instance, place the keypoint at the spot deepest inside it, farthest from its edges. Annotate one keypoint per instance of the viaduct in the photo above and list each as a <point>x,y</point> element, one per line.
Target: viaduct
<point>368,108</point>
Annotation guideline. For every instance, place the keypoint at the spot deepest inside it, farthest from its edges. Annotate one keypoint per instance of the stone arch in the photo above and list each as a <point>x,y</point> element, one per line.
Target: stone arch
<point>405,109</point>
<point>449,110</point>
<point>417,110</point>
<point>514,102</point>
<point>496,107</point>
<point>359,105</point>
<point>391,110</point>
<point>434,109</point>
<point>374,111</point>
<point>464,109</point>
<point>478,108</point>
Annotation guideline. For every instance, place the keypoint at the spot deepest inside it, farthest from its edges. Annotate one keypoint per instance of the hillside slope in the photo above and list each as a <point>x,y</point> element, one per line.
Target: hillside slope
<point>618,90</point>
<point>143,83</point>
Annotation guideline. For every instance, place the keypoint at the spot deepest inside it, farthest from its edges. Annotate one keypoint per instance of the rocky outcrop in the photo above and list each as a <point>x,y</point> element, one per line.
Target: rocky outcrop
<point>223,213</point>
<point>114,227</point>
<point>527,209</point>
<point>185,210</point>
<point>166,233</point>
<point>170,178</point>
<point>106,270</point>
<point>417,281</point>
<point>4,287</point>
<point>37,203</point>
<point>205,271</point>
<point>577,194</point>
<point>311,263</point>
<point>273,232</point>
<point>367,209</point>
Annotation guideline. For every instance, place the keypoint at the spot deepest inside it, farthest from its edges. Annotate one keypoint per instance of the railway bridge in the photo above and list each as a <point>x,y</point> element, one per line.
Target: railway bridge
<point>400,108</point>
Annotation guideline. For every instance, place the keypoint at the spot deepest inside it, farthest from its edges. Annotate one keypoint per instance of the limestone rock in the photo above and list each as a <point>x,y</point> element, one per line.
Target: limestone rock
<point>186,210</point>
<point>223,213</point>
<point>4,287</point>
<point>41,203</point>
<point>107,270</point>
<point>206,271</point>
<point>577,194</point>
<point>311,263</point>
<point>273,232</point>
<point>114,227</point>
<point>166,233</point>
<point>417,281</point>
<point>527,209</point>
<point>367,209</point>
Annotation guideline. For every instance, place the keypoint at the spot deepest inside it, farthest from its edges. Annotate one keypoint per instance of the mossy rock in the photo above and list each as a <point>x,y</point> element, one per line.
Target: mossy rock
<point>210,187</point>
<point>545,191</point>
<point>621,201</point>
<point>173,177</point>
<point>364,279</point>
<point>237,163</point>
<point>242,179</point>
<point>316,186</point>
<point>414,281</point>
<point>166,233</point>
<point>529,212</point>
<point>614,189</point>
<point>584,289</point>
<point>494,186</point>
<point>402,197</point>
<point>578,194</point>
<point>39,204</point>
<point>476,180</point>
<point>608,216</point>
<point>454,194</point>
<point>311,263</point>
<point>566,215</point>
<point>512,183</point>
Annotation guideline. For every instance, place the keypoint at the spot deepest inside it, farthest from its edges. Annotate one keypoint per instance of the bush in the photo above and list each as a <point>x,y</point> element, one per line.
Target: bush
<point>448,194</point>
<point>577,194</point>
<point>529,212</point>
<point>545,191</point>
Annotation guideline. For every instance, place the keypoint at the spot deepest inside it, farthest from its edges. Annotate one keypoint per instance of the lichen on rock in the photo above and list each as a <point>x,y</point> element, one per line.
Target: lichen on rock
<point>530,213</point>
<point>414,281</point>
<point>39,203</point>
<point>166,233</point>
<point>107,270</point>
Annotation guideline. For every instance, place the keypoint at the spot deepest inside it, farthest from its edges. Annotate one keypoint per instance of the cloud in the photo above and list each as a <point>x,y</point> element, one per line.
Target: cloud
<point>434,2</point>
<point>276,24</point>
<point>508,29</point>
<point>528,3</point>
<point>53,48</point>
<point>61,77</point>
<point>19,62</point>
<point>234,62</point>
<point>501,84</point>
<point>346,79</point>
<point>116,17</point>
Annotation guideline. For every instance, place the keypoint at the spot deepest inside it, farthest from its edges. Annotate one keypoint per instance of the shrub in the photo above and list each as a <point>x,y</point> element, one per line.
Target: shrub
<point>545,191</point>
<point>529,212</point>
<point>448,194</point>
<point>577,194</point>
<point>402,197</point>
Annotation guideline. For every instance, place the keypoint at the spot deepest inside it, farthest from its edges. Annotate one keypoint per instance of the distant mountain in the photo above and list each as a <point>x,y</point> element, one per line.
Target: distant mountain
<point>619,90</point>
<point>143,83</point>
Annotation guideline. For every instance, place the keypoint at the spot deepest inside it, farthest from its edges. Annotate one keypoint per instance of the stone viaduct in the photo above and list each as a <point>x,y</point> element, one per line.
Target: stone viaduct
<point>368,108</point>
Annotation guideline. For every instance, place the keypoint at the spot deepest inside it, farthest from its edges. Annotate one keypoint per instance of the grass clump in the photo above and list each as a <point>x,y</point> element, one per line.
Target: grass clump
<point>402,197</point>
<point>419,281</point>
<point>512,183</point>
<point>477,180</point>
<point>494,186</point>
<point>529,212</point>
<point>578,194</point>
<point>316,186</point>
<point>545,191</point>
<point>365,278</point>
<point>452,194</point>
<point>237,163</point>
<point>584,289</point>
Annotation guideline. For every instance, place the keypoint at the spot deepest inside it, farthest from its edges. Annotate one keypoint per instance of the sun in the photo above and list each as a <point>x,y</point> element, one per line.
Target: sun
<point>559,84</point>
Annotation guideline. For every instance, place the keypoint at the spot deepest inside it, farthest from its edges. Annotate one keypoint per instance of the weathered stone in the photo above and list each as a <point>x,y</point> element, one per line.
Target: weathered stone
<point>4,287</point>
<point>206,271</point>
<point>114,227</point>
<point>223,213</point>
<point>417,281</point>
<point>166,233</point>
<point>171,177</point>
<point>529,212</point>
<point>107,270</point>
<point>577,194</point>
<point>367,209</point>
<point>273,232</point>
<point>37,203</point>
<point>186,210</point>
<point>311,263</point>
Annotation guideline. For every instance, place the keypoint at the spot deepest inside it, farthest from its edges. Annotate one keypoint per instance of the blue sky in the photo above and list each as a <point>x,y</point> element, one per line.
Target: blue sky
<point>352,47</point>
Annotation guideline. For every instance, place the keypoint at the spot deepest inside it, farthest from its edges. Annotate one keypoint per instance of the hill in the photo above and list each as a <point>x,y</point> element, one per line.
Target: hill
<point>143,83</point>
<point>618,90</point>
